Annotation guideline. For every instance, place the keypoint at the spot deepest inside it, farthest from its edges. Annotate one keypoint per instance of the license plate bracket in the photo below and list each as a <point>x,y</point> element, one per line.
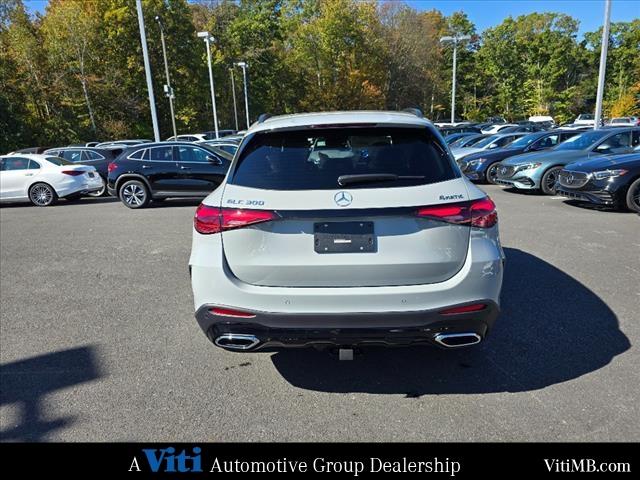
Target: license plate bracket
<point>344,237</point>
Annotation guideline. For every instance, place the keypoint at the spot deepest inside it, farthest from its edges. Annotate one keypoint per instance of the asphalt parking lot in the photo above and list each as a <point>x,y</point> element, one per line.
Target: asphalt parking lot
<point>98,341</point>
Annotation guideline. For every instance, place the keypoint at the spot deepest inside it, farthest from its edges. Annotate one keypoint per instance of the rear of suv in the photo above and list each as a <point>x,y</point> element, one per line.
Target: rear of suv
<point>345,229</point>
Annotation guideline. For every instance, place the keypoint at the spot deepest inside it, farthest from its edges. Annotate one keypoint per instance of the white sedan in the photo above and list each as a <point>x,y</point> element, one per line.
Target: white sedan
<point>42,179</point>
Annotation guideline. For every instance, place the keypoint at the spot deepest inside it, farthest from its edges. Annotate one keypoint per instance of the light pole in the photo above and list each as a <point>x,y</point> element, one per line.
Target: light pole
<point>167,88</point>
<point>455,40</point>
<point>147,69</point>
<point>244,66</point>
<point>233,91</point>
<point>603,63</point>
<point>208,39</point>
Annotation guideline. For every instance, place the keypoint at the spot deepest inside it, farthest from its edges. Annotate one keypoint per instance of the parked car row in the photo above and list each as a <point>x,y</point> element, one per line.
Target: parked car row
<point>599,166</point>
<point>137,171</point>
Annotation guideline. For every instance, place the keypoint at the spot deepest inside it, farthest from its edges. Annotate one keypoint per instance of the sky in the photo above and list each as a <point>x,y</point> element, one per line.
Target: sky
<point>488,13</point>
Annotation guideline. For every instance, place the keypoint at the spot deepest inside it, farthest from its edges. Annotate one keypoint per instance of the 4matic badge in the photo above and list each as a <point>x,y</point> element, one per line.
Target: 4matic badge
<point>456,196</point>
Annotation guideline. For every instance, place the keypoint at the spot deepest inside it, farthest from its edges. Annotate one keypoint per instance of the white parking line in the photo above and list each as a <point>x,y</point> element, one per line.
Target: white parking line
<point>557,198</point>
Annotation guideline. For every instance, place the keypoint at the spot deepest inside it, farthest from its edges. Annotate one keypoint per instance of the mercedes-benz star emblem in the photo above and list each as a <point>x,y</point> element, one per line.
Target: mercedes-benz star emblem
<point>343,199</point>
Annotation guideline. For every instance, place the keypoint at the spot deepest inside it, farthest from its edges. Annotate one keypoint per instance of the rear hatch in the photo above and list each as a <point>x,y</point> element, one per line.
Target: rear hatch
<point>349,206</point>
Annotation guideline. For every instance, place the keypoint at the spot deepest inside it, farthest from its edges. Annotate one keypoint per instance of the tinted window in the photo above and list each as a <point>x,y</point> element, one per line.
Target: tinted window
<point>547,142</point>
<point>582,141</point>
<point>161,154</point>
<point>228,148</point>
<point>473,141</point>
<point>72,155</point>
<point>17,163</point>
<point>314,159</point>
<point>33,165</point>
<point>486,141</point>
<point>504,141</point>
<point>618,143</point>
<point>193,154</point>
<point>58,161</point>
<point>91,155</point>
<point>138,154</point>
<point>524,141</point>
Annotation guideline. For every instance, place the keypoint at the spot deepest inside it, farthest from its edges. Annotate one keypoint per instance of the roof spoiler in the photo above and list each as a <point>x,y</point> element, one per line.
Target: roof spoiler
<point>414,111</point>
<point>263,117</point>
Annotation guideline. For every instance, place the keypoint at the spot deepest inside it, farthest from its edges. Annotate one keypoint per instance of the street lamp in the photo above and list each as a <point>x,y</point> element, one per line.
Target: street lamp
<point>167,88</point>
<point>244,66</point>
<point>233,92</point>
<point>455,40</point>
<point>147,70</point>
<point>208,39</point>
<point>603,63</point>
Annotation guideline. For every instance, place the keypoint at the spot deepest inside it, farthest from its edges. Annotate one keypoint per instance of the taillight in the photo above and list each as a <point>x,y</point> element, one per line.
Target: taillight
<point>215,220</point>
<point>73,173</point>
<point>111,167</point>
<point>483,213</point>
<point>229,312</point>
<point>477,213</point>
<point>476,307</point>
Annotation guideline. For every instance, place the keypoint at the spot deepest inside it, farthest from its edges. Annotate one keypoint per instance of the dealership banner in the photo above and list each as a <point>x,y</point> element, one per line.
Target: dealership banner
<point>356,460</point>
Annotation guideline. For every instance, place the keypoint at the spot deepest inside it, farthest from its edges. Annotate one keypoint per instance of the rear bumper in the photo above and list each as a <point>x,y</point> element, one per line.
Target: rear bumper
<point>78,188</point>
<point>286,330</point>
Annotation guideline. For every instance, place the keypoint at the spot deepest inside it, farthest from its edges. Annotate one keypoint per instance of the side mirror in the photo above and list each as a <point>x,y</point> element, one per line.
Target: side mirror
<point>603,148</point>
<point>214,160</point>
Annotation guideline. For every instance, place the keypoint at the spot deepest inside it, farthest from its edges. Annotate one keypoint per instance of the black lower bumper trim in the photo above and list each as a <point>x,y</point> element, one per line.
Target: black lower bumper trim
<point>347,330</point>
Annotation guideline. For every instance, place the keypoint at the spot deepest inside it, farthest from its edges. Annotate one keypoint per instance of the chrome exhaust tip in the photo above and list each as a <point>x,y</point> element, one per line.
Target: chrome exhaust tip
<point>454,340</point>
<point>234,341</point>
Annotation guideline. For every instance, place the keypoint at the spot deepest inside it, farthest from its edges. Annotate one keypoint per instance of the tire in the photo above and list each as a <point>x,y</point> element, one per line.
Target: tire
<point>134,194</point>
<point>42,195</point>
<point>633,196</point>
<point>548,181</point>
<point>100,193</point>
<point>491,173</point>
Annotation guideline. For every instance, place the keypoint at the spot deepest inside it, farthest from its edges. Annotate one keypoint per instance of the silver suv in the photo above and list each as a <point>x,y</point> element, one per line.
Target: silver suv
<point>345,229</point>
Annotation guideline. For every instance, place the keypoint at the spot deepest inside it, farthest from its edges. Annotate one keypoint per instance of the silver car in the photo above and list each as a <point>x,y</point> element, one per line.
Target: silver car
<point>345,229</point>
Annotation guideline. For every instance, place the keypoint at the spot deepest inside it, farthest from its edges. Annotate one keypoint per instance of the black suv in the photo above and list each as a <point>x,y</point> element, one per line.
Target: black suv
<point>99,158</point>
<point>156,171</point>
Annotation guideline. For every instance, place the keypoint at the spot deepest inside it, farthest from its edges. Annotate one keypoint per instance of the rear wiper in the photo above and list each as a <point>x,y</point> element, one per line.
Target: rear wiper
<point>375,177</point>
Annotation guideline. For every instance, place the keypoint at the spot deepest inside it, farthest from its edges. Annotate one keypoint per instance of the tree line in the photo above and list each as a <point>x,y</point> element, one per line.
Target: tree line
<point>75,72</point>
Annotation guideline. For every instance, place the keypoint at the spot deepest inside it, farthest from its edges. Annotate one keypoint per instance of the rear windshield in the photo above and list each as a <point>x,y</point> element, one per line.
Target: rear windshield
<point>59,161</point>
<point>315,159</point>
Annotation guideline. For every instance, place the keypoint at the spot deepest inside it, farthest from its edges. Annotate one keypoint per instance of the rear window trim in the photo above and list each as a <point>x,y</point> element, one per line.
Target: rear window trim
<point>438,141</point>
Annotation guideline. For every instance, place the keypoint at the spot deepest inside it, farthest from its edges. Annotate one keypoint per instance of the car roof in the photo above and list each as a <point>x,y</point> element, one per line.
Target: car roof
<point>173,143</point>
<point>301,120</point>
<point>33,156</point>
<point>508,134</point>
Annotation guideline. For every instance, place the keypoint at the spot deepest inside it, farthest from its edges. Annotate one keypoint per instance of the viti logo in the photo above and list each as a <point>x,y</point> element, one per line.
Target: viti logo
<point>168,460</point>
<point>343,199</point>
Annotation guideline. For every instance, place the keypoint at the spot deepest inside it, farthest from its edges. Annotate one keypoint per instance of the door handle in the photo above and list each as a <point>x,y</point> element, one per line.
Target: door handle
<point>28,174</point>
<point>146,166</point>
<point>182,167</point>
